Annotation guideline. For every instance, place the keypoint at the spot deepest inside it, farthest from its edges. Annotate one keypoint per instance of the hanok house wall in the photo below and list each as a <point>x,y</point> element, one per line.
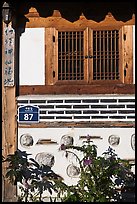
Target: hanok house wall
<point>70,115</point>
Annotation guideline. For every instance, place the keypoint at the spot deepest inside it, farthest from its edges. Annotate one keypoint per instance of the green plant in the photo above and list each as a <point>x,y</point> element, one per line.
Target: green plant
<point>99,179</point>
<point>34,179</point>
<point>100,176</point>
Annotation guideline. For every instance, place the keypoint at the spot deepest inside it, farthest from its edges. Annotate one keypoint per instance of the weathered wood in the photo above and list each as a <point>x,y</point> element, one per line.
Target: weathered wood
<point>9,130</point>
<point>57,21</point>
<point>101,124</point>
<point>49,56</point>
<point>78,89</point>
<point>127,53</point>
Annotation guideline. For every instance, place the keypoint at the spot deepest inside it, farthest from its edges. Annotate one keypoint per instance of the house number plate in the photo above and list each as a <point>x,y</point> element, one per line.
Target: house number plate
<point>28,114</point>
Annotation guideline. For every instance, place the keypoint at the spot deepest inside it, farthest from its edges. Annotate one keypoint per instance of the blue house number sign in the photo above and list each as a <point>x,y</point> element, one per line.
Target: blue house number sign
<point>28,114</point>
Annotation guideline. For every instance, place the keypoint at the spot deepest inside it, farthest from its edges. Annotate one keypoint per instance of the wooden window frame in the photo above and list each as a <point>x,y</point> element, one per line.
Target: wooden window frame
<point>56,23</point>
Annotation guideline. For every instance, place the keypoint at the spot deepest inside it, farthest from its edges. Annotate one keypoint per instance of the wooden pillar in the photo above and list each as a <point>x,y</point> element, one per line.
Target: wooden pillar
<point>9,109</point>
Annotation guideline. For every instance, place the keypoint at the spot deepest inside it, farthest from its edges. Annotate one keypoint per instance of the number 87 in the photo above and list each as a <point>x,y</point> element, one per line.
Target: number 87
<point>28,116</point>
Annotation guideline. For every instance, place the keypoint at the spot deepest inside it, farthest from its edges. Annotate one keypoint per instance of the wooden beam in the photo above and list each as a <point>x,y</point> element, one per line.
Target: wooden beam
<point>78,89</point>
<point>9,125</point>
<point>93,124</point>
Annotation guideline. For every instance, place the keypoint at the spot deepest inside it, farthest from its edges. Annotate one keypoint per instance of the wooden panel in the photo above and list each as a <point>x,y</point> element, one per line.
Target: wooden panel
<point>55,56</point>
<point>49,55</point>
<point>127,49</point>
<point>121,57</point>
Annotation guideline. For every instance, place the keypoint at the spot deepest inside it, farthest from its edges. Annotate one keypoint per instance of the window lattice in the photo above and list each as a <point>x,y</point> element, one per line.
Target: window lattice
<point>106,55</point>
<point>70,56</point>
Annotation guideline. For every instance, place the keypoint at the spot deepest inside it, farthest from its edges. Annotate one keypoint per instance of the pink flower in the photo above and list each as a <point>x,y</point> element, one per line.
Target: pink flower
<point>87,162</point>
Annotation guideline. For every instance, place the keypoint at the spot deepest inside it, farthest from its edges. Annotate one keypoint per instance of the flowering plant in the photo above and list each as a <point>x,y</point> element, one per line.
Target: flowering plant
<point>102,178</point>
<point>33,179</point>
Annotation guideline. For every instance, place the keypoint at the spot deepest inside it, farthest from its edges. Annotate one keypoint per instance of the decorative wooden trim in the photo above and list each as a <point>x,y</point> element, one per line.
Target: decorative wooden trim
<point>109,22</point>
<point>131,21</point>
<point>78,89</point>
<point>32,13</point>
<point>96,124</point>
<point>58,22</point>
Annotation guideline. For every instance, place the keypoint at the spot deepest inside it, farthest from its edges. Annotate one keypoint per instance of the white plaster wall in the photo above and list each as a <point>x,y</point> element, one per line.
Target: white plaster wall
<point>32,57</point>
<point>124,149</point>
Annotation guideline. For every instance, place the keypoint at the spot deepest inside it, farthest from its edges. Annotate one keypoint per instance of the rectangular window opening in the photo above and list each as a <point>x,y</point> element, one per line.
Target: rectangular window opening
<point>106,55</point>
<point>70,55</point>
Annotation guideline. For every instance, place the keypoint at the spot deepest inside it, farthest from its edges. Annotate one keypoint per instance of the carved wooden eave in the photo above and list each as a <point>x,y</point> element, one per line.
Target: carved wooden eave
<point>83,22</point>
<point>55,20</point>
<point>58,22</point>
<point>32,13</point>
<point>111,21</point>
<point>131,21</point>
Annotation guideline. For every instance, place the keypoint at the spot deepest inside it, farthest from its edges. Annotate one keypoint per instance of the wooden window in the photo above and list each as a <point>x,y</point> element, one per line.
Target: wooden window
<point>70,55</point>
<point>106,55</point>
<point>70,64</point>
<point>84,57</point>
<point>87,57</point>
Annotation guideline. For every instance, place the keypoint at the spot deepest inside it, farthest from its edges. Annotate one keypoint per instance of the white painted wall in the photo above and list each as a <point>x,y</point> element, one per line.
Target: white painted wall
<point>124,149</point>
<point>32,57</point>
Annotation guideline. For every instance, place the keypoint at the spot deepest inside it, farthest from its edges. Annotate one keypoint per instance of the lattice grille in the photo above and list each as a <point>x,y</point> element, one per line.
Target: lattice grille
<point>70,56</point>
<point>82,108</point>
<point>106,55</point>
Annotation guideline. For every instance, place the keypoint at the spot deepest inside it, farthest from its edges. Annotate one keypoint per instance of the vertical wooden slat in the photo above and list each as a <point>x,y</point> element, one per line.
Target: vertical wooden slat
<point>107,55</point>
<point>61,54</point>
<point>55,56</point>
<point>97,50</point>
<point>76,54</point>
<point>127,47</point>
<point>69,54</point>
<point>49,55</point>
<point>86,53</point>
<point>100,53</point>
<point>115,56</point>
<point>121,54</point>
<point>104,55</point>
<point>65,62</point>
<point>90,63</point>
<point>72,59</point>
<point>111,58</point>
